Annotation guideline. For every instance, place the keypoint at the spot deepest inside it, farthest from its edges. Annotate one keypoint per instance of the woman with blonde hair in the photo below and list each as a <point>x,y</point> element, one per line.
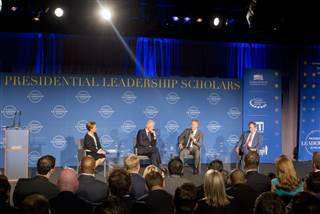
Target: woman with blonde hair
<point>216,199</point>
<point>286,183</point>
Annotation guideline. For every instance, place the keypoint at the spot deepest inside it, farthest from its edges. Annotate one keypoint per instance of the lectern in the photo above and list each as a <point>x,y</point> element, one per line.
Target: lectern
<point>16,141</point>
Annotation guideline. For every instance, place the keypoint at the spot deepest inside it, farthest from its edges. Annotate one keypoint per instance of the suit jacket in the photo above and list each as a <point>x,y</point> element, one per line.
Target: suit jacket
<point>158,202</point>
<point>68,202</point>
<point>185,135</point>
<point>92,190</point>
<point>89,143</point>
<point>258,181</point>
<point>173,182</point>
<point>138,186</point>
<point>256,142</point>
<point>143,142</point>
<point>36,185</point>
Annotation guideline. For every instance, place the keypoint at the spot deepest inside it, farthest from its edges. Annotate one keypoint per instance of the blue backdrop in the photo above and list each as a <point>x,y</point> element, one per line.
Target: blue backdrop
<point>262,104</point>
<point>309,131</point>
<point>56,108</point>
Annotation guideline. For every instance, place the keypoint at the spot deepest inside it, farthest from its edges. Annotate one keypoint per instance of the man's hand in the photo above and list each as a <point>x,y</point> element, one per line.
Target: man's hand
<point>180,146</point>
<point>100,151</point>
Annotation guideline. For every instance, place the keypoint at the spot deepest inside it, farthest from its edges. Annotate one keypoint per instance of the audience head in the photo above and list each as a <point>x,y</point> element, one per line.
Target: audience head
<point>269,203</point>
<point>4,189</point>
<point>214,189</point>
<point>175,166</point>
<point>312,183</point>
<point>154,180</point>
<point>132,163</point>
<point>194,124</point>
<point>45,165</point>
<point>110,206</point>
<point>88,165</point>
<point>185,198</point>
<point>252,126</point>
<point>119,183</point>
<point>286,173</point>
<point>150,125</point>
<point>237,176</point>
<point>91,126</point>
<point>251,160</point>
<point>35,204</point>
<point>151,168</point>
<point>216,165</point>
<point>305,203</point>
<point>316,161</point>
<point>68,181</point>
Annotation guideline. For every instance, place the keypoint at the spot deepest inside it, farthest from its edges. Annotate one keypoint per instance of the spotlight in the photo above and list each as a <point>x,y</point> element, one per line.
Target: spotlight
<point>175,18</point>
<point>199,20</point>
<point>187,19</point>
<point>106,14</point>
<point>58,12</point>
<point>14,8</point>
<point>216,21</point>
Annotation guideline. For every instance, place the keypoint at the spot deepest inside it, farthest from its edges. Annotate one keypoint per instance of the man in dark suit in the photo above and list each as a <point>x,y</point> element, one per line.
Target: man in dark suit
<point>244,196</point>
<point>249,141</point>
<point>39,184</point>
<point>67,201</point>
<point>90,189</point>
<point>146,143</point>
<point>255,180</point>
<point>190,142</point>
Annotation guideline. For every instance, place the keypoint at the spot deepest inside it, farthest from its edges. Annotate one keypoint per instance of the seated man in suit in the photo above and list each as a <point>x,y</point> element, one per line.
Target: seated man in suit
<point>190,142</point>
<point>249,141</point>
<point>146,143</point>
<point>67,201</point>
<point>90,189</point>
<point>39,184</point>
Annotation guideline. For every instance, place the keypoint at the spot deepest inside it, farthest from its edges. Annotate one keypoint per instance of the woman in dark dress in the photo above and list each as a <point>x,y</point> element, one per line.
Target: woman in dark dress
<point>92,143</point>
<point>216,199</point>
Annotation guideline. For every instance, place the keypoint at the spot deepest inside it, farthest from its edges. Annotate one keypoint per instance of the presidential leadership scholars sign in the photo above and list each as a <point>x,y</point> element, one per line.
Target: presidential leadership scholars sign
<point>56,109</point>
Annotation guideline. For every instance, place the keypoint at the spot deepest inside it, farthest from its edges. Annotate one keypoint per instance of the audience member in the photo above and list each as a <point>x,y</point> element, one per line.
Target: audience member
<point>216,199</point>
<point>304,203</point>
<point>110,206</point>
<point>35,204</point>
<point>90,189</point>
<point>67,201</point>
<point>158,201</point>
<point>312,184</point>
<point>185,199</point>
<point>316,161</point>
<point>152,168</point>
<point>287,183</point>
<point>39,184</point>
<point>257,181</point>
<point>269,203</point>
<point>175,177</point>
<point>216,165</point>
<point>138,184</point>
<point>5,188</point>
<point>244,196</point>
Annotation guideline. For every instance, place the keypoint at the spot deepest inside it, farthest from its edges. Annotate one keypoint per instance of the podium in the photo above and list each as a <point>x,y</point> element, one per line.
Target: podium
<point>16,141</point>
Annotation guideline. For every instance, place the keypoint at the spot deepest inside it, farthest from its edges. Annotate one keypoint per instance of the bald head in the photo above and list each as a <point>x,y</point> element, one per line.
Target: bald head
<point>237,176</point>
<point>68,181</point>
<point>88,165</point>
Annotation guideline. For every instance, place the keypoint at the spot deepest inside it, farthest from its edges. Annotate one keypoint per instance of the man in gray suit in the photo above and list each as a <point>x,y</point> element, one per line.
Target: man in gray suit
<point>249,141</point>
<point>190,142</point>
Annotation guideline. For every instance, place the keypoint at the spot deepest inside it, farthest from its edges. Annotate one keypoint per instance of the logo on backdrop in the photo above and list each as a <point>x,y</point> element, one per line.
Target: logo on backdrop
<point>172,98</point>
<point>35,126</point>
<point>312,141</point>
<point>128,97</point>
<point>263,151</point>
<point>258,103</point>
<point>234,113</point>
<point>213,126</point>
<point>9,111</point>
<point>58,142</point>
<point>193,112</point>
<point>151,112</point>
<point>172,126</point>
<point>35,96</point>
<point>258,80</point>
<point>128,126</point>
<point>260,126</point>
<point>81,126</point>
<point>106,111</point>
<point>233,140</point>
<point>33,157</point>
<point>106,140</point>
<point>59,111</point>
<point>83,97</point>
<point>214,98</point>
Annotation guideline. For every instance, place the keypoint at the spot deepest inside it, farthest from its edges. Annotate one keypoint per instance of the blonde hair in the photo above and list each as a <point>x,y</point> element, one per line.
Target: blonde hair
<point>132,162</point>
<point>152,168</point>
<point>286,174</point>
<point>214,188</point>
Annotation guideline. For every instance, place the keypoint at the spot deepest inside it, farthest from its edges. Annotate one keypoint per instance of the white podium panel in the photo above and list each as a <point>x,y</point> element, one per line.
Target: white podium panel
<point>16,141</point>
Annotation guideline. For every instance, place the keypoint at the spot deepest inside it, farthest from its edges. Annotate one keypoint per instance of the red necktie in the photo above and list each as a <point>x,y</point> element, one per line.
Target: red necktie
<point>249,139</point>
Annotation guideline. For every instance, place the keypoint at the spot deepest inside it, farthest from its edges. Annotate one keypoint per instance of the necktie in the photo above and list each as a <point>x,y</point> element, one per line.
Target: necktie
<point>149,136</point>
<point>249,139</point>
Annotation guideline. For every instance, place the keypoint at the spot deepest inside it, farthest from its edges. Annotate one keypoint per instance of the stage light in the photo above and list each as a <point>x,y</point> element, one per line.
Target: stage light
<point>105,14</point>
<point>58,12</point>
<point>14,8</point>
<point>175,18</point>
<point>0,5</point>
<point>187,19</point>
<point>216,21</point>
<point>199,20</point>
